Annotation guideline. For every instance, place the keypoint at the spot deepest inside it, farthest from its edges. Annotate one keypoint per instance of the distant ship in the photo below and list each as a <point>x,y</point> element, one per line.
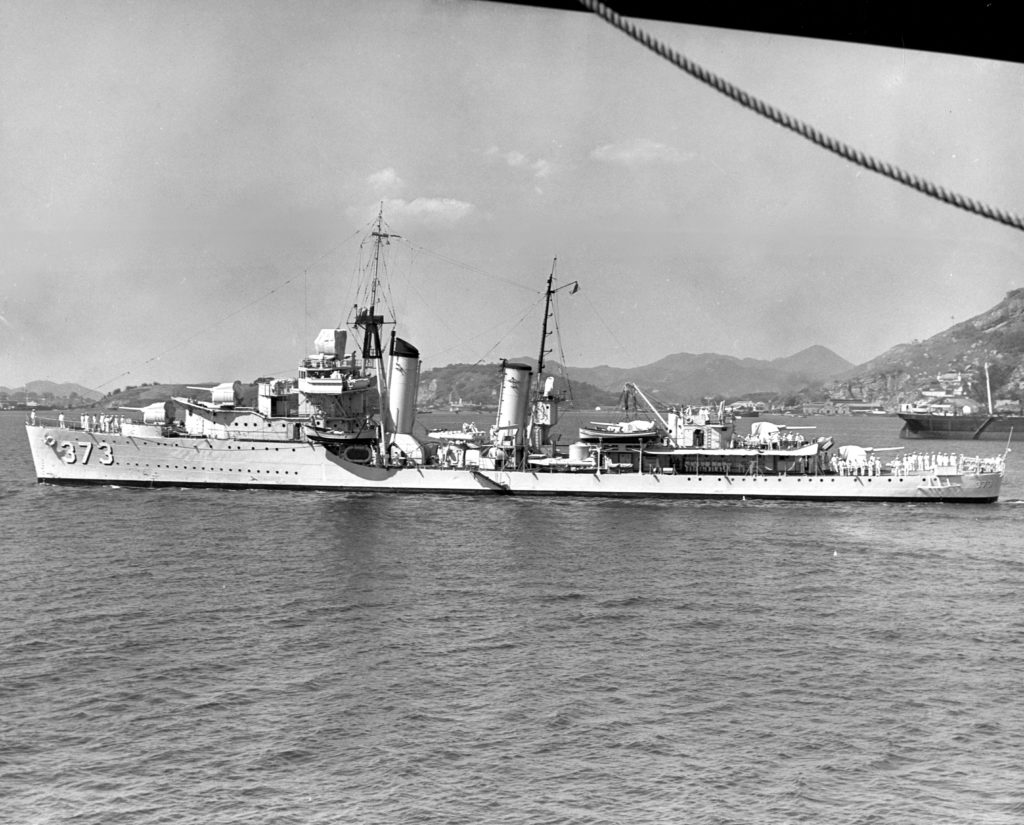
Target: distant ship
<point>962,427</point>
<point>957,417</point>
<point>346,423</point>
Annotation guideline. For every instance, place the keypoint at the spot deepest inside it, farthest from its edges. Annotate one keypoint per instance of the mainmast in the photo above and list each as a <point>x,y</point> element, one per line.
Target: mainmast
<point>548,295</point>
<point>545,403</point>
<point>544,327</point>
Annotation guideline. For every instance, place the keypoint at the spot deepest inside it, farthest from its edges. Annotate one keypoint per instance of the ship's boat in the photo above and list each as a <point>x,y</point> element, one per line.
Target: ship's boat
<point>346,422</point>
<point>468,433</point>
<point>624,432</point>
<point>323,435</point>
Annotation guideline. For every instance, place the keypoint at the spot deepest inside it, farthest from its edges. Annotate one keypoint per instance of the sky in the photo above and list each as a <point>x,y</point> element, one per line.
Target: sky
<point>184,187</point>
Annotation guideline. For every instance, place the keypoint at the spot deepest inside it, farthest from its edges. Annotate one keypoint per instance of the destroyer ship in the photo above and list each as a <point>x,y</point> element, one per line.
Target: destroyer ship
<point>346,422</point>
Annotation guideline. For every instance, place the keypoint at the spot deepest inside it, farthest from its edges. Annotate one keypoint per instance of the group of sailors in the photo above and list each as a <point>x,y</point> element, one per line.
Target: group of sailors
<point>916,463</point>
<point>781,440</point>
<point>923,462</point>
<point>871,465</point>
<point>103,423</point>
<point>866,466</point>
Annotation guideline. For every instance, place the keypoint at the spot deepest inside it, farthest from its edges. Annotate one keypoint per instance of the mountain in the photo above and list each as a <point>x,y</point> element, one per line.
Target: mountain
<point>816,363</point>
<point>146,394</point>
<point>955,356</point>
<point>679,378</point>
<point>129,397</point>
<point>62,390</point>
<point>691,377</point>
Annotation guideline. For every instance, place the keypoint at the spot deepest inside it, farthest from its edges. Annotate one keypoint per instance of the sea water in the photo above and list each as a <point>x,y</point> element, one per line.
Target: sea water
<point>208,656</point>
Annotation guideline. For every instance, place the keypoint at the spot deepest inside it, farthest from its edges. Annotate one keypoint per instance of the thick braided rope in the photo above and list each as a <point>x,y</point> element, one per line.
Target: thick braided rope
<point>804,130</point>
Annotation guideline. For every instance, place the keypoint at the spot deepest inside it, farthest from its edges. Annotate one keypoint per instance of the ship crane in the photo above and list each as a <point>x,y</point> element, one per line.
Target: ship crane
<point>635,390</point>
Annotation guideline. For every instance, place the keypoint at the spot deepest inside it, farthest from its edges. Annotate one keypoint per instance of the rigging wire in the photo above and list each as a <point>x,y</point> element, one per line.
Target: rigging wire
<point>562,368</point>
<point>179,344</point>
<point>417,249</point>
<point>468,267</point>
<point>512,329</point>
<point>611,331</point>
<point>364,287</point>
<point>806,131</point>
<point>375,272</point>
<point>424,300</point>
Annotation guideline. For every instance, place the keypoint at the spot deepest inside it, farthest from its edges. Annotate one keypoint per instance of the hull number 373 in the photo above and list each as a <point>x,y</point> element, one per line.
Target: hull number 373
<point>69,454</point>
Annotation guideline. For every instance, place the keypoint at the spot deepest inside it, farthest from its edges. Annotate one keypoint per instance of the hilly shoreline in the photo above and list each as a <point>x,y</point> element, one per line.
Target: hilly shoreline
<point>956,358</point>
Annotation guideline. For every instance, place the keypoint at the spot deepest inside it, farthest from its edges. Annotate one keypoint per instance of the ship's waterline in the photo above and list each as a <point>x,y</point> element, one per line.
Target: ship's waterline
<point>74,457</point>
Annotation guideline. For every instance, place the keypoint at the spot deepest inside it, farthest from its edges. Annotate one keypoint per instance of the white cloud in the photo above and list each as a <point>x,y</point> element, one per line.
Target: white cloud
<point>638,151</point>
<point>386,180</point>
<point>428,210</point>
<point>540,167</point>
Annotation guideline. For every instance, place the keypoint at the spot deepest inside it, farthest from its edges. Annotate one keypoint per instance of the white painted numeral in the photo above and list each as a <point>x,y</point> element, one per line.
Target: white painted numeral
<point>87,446</point>
<point>69,455</point>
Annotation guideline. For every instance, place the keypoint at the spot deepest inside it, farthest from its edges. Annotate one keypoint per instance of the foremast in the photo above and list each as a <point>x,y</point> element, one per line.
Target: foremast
<point>371,322</point>
<point>362,404</point>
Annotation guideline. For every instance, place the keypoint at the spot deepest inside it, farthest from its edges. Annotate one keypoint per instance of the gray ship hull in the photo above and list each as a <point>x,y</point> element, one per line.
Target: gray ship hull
<point>65,456</point>
<point>962,427</point>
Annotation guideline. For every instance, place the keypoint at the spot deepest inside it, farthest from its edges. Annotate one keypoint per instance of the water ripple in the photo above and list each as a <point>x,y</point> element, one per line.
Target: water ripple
<point>181,656</point>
